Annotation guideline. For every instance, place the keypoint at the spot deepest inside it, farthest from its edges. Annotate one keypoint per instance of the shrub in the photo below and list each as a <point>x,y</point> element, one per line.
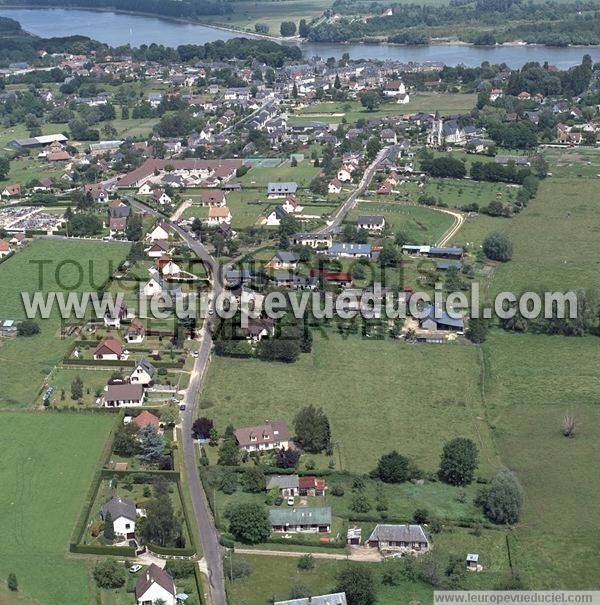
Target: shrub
<point>393,468</point>
<point>336,490</point>
<point>504,498</point>
<point>421,515</point>
<point>306,562</point>
<point>236,568</point>
<point>458,462</point>
<point>497,246</point>
<point>109,574</point>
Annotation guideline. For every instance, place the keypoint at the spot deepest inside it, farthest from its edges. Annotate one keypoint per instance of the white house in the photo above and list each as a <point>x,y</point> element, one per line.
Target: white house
<point>145,189</point>
<point>123,395</point>
<point>344,174</point>
<point>291,205</point>
<point>5,248</point>
<point>160,232</point>
<point>274,217</point>
<point>143,373</point>
<point>160,197</point>
<point>370,222</point>
<point>155,585</point>
<point>218,215</point>
<point>155,285</point>
<point>123,514</point>
<point>334,187</point>
<point>158,248</point>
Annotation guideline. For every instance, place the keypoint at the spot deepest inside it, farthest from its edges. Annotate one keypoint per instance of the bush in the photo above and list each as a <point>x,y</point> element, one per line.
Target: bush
<point>236,568</point>
<point>504,498</point>
<point>336,490</point>
<point>421,515</point>
<point>497,246</point>
<point>109,574</point>
<point>28,327</point>
<point>13,585</point>
<point>393,468</point>
<point>360,503</point>
<point>459,462</point>
<point>248,522</point>
<point>306,562</point>
<point>180,569</point>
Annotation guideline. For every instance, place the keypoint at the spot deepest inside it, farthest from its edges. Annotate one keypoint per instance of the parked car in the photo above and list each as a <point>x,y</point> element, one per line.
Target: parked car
<point>290,501</point>
<point>135,568</point>
<point>278,501</point>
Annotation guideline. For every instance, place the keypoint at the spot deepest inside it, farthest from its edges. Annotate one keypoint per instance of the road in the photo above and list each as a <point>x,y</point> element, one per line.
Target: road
<point>459,219</point>
<point>367,177</point>
<point>356,554</point>
<point>213,553</point>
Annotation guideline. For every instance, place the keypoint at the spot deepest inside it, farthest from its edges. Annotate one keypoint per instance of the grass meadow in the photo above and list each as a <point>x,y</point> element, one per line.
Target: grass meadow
<point>48,462</point>
<point>27,361</point>
<point>388,395</point>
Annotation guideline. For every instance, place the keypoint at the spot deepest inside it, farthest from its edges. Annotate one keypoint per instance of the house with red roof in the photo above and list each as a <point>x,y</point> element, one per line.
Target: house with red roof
<point>110,349</point>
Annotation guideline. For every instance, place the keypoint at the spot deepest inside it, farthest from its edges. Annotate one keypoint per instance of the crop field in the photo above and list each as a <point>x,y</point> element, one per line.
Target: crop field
<point>26,361</point>
<point>48,461</point>
<point>423,225</point>
<point>384,391</point>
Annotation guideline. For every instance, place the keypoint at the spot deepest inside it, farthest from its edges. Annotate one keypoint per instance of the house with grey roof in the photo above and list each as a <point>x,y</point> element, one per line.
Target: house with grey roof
<point>281,190</point>
<point>350,250</point>
<point>436,319</point>
<point>283,260</point>
<point>122,512</point>
<point>143,373</point>
<point>399,538</point>
<point>155,585</point>
<point>370,222</point>
<point>301,519</point>
<point>337,598</point>
<point>286,485</point>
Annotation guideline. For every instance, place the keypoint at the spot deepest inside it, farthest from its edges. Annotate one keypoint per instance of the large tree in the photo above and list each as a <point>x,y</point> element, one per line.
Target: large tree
<point>504,498</point>
<point>312,429</point>
<point>248,522</point>
<point>161,526</point>
<point>151,444</point>
<point>358,584</point>
<point>497,246</point>
<point>393,468</point>
<point>458,462</point>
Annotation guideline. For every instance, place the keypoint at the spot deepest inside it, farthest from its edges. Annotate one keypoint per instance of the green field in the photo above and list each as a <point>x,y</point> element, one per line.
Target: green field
<point>258,177</point>
<point>353,111</point>
<point>383,393</point>
<point>27,361</point>
<point>48,461</point>
<point>423,225</point>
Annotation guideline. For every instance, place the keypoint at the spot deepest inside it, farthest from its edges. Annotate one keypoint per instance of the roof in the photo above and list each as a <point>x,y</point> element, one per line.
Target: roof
<point>301,515</point>
<point>218,212</point>
<point>442,318</point>
<point>154,575</point>
<point>398,533</point>
<point>370,219</point>
<point>345,248</point>
<point>473,557</point>
<point>145,365</point>
<point>449,251</point>
<point>337,598</point>
<point>119,507</point>
<point>146,418</point>
<point>283,481</point>
<point>286,257</point>
<point>110,343</point>
<point>289,187</point>
<point>124,392</point>
<point>263,433</point>
<point>213,197</point>
<point>41,140</point>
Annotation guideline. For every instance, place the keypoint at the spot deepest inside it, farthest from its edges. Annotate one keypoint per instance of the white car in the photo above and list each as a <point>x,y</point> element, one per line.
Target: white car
<point>135,568</point>
<point>290,501</point>
<point>194,353</point>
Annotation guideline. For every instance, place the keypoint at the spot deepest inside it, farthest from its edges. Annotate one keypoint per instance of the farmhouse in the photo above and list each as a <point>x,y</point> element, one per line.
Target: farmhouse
<point>122,512</point>
<point>259,328</point>
<point>40,141</point>
<point>302,519</point>
<point>213,198</point>
<point>312,240</point>
<point>451,252</point>
<point>370,222</point>
<point>281,190</point>
<point>273,435</point>
<point>350,250</point>
<point>338,598</point>
<point>123,395</point>
<point>399,538</point>
<point>311,486</point>
<point>286,485</point>
<point>155,585</point>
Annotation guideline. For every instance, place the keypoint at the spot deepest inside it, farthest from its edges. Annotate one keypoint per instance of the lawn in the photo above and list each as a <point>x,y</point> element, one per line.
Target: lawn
<point>423,225</point>
<point>555,239</point>
<point>27,361</point>
<point>48,461</point>
<point>302,174</point>
<point>446,103</point>
<point>389,395</point>
<point>273,578</point>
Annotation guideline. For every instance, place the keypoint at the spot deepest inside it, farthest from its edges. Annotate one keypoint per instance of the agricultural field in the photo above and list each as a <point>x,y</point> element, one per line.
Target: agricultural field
<point>423,225</point>
<point>391,389</point>
<point>259,176</point>
<point>27,361</point>
<point>246,14</point>
<point>550,235</point>
<point>48,462</point>
<point>352,111</point>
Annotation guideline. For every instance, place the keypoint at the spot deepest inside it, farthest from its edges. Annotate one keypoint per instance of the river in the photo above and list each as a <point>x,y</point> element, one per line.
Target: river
<point>119,28</point>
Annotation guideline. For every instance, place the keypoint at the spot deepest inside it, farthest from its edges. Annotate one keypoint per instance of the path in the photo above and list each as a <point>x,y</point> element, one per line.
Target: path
<point>213,552</point>
<point>343,210</point>
<point>356,554</point>
<point>458,223</point>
